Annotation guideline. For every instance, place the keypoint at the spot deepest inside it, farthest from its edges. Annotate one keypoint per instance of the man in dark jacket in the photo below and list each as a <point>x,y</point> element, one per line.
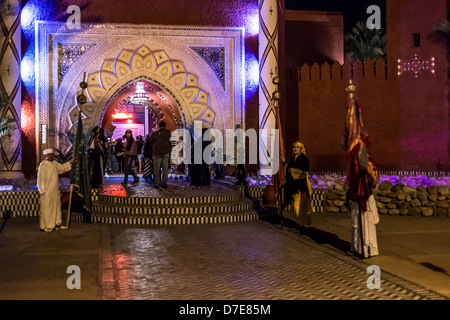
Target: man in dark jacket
<point>130,150</point>
<point>161,154</point>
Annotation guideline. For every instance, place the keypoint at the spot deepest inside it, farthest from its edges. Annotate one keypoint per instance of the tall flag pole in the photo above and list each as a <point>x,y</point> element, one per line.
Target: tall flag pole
<point>362,173</point>
<point>79,176</point>
<point>279,179</point>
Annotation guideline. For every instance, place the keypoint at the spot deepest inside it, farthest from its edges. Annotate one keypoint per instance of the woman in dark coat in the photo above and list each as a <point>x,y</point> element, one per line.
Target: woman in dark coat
<point>96,152</point>
<point>205,174</point>
<point>200,175</point>
<point>103,140</point>
<point>192,174</point>
<point>119,154</point>
<point>298,185</point>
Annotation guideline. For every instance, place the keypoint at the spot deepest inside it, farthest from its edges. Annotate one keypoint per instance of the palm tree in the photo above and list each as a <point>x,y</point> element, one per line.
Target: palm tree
<point>442,31</point>
<point>363,43</point>
<point>65,138</point>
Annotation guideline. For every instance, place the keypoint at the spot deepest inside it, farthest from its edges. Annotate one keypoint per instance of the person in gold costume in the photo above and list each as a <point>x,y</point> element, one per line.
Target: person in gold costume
<point>298,185</point>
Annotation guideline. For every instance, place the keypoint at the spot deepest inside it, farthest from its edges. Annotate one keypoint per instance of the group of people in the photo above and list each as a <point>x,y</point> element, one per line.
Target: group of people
<point>153,155</point>
<point>119,154</point>
<point>155,158</point>
<point>361,180</point>
<point>150,156</point>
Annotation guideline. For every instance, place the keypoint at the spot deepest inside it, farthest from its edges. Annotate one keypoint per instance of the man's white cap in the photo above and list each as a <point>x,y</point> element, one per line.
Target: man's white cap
<point>47,151</point>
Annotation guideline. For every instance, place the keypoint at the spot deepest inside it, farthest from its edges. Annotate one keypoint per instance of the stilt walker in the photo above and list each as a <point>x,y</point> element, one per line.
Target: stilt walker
<point>360,180</point>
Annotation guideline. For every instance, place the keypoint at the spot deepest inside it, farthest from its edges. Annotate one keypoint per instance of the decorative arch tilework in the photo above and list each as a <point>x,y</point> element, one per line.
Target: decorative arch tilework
<point>214,57</point>
<point>68,54</point>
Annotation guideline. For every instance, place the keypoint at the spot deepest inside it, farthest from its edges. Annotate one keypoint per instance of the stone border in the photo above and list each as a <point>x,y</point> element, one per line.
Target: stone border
<point>397,199</point>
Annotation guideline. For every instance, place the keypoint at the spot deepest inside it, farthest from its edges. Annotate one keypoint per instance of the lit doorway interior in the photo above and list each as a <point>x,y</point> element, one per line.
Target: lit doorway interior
<point>140,106</point>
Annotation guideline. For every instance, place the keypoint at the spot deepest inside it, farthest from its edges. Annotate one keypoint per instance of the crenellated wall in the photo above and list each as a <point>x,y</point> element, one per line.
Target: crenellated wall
<point>405,97</point>
<point>322,103</point>
<point>323,107</point>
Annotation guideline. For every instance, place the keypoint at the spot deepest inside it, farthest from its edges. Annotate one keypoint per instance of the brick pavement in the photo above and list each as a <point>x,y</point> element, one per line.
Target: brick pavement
<point>243,261</point>
<point>248,260</point>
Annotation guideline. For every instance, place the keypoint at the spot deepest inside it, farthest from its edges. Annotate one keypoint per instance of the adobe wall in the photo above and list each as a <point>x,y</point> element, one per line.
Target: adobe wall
<point>424,117</point>
<point>310,36</point>
<point>313,36</point>
<point>323,109</point>
<point>406,116</point>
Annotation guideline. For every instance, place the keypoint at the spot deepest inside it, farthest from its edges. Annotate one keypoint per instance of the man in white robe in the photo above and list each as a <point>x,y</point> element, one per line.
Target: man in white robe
<point>50,195</point>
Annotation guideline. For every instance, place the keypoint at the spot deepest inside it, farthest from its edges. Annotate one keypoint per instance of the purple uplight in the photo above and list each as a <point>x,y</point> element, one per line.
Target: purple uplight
<point>252,23</point>
<point>252,73</point>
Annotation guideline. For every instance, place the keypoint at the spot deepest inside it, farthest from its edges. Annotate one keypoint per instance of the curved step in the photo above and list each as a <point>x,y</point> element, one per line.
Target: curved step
<point>174,209</point>
<point>169,200</point>
<point>169,219</point>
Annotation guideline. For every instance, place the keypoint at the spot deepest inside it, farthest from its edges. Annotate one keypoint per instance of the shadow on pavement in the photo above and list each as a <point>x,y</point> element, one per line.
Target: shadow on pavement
<point>6,216</point>
<point>317,235</point>
<point>323,237</point>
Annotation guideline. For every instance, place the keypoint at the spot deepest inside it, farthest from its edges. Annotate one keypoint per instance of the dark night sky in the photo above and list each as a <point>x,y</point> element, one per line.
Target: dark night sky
<point>351,10</point>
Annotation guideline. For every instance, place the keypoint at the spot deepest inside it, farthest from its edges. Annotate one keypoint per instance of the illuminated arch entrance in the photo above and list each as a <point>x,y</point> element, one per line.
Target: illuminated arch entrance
<point>176,62</point>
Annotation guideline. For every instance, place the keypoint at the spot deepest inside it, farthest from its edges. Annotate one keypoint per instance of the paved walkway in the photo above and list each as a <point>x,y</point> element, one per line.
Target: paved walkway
<point>415,248</point>
<point>250,260</point>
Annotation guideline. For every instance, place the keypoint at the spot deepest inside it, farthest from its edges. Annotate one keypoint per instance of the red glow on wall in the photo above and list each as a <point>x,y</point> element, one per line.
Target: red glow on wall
<point>26,118</point>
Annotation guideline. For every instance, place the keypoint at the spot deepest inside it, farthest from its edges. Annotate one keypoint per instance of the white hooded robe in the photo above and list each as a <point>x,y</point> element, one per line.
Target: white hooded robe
<point>50,196</point>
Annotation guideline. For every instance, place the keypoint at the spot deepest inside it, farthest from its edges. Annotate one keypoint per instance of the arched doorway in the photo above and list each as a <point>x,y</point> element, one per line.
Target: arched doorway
<point>140,105</point>
<point>114,57</point>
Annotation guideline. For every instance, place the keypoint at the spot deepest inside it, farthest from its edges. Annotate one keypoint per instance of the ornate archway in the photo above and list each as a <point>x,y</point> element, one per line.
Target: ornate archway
<point>193,101</point>
<point>200,68</point>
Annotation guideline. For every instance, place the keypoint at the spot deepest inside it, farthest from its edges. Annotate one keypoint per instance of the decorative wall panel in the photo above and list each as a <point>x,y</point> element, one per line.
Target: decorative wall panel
<point>10,88</point>
<point>268,69</point>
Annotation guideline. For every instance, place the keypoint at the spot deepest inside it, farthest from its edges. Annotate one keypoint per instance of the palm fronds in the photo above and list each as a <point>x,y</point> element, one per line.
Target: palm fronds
<point>62,157</point>
<point>444,29</point>
<point>6,122</point>
<point>363,43</point>
<point>443,32</point>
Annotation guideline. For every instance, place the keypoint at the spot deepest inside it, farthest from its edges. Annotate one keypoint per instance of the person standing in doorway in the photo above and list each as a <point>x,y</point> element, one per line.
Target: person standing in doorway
<point>103,147</point>
<point>130,150</point>
<point>119,155</point>
<point>50,195</point>
<point>96,152</point>
<point>161,154</point>
<point>140,145</point>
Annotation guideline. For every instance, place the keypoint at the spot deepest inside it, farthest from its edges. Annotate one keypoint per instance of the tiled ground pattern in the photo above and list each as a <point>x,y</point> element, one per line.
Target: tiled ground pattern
<point>244,261</point>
